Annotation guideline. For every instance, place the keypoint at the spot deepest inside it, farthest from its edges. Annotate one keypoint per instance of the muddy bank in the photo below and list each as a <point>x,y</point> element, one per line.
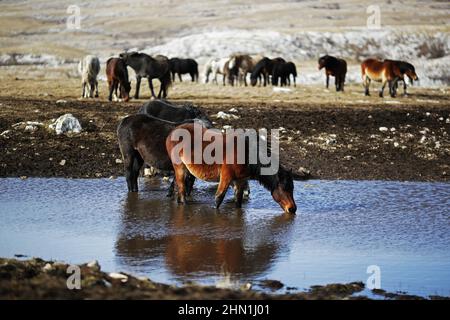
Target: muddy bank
<point>391,142</point>
<point>39,279</point>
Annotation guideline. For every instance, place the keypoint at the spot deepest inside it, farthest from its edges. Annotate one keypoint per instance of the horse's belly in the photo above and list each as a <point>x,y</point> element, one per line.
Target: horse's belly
<point>204,172</point>
<point>374,75</point>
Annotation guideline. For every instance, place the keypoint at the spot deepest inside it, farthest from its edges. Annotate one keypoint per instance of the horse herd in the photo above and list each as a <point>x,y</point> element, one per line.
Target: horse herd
<point>142,136</point>
<point>234,70</point>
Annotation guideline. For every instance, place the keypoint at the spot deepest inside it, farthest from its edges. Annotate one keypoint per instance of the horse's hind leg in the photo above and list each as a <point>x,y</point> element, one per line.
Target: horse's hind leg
<point>179,77</point>
<point>366,84</point>
<point>96,88</point>
<point>111,89</point>
<point>189,182</point>
<point>150,84</point>
<point>382,88</point>
<point>224,183</point>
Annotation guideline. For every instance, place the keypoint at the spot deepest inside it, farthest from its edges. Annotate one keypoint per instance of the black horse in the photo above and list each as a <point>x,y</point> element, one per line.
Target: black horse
<point>264,68</point>
<point>283,71</point>
<point>334,67</point>
<point>168,111</point>
<point>183,66</point>
<point>149,67</point>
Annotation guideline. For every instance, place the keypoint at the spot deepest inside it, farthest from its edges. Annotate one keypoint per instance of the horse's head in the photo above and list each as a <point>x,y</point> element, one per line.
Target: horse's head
<point>127,55</point>
<point>411,72</point>
<point>322,61</point>
<point>283,191</point>
<point>253,81</point>
<point>125,89</point>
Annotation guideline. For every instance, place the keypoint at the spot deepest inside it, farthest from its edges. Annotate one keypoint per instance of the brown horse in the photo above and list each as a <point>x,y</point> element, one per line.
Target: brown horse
<point>334,67</point>
<point>117,75</point>
<point>227,172</point>
<point>407,69</point>
<point>241,64</point>
<point>386,72</point>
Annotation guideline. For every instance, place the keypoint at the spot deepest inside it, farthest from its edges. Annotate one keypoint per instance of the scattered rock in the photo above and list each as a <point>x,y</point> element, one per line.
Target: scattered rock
<point>61,101</point>
<point>47,267</point>
<point>349,157</point>
<point>119,161</point>
<point>118,276</point>
<point>233,110</point>
<point>62,162</point>
<point>226,116</point>
<point>271,284</point>
<point>383,129</point>
<point>94,265</point>
<point>66,123</point>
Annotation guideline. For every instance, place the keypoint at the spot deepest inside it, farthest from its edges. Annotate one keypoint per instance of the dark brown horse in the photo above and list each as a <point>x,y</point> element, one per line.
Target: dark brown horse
<point>184,66</point>
<point>282,71</point>
<point>407,69</point>
<point>226,172</point>
<point>264,68</point>
<point>149,67</point>
<point>141,140</point>
<point>335,67</point>
<point>117,75</point>
<point>386,72</point>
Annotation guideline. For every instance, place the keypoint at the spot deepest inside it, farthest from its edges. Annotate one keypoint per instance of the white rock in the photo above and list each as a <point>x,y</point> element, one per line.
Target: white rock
<point>226,116</point>
<point>65,124</point>
<point>283,90</point>
<point>61,101</point>
<point>383,129</point>
<point>119,276</point>
<point>47,267</point>
<point>396,144</point>
<point>233,110</point>
<point>94,265</point>
<point>62,162</point>
<point>119,161</point>
<point>392,129</point>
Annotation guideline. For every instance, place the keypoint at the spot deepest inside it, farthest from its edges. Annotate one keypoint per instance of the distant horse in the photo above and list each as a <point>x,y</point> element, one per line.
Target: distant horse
<point>149,67</point>
<point>386,72</point>
<point>183,66</point>
<point>214,67</point>
<point>280,184</point>
<point>334,67</point>
<point>407,69</point>
<point>141,140</point>
<point>117,75</point>
<point>264,68</point>
<point>283,71</point>
<point>241,64</point>
<point>89,68</point>
<point>230,74</point>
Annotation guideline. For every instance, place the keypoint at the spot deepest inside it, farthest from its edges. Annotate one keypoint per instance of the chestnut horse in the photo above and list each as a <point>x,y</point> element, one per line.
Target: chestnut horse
<point>117,75</point>
<point>279,184</point>
<point>386,72</point>
<point>334,67</point>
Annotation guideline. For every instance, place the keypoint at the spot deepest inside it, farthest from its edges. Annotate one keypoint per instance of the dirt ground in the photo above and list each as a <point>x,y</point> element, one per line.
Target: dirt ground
<point>329,135</point>
<point>39,279</point>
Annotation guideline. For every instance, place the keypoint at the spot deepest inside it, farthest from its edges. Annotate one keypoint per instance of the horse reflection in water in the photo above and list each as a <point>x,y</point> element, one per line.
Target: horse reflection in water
<point>196,240</point>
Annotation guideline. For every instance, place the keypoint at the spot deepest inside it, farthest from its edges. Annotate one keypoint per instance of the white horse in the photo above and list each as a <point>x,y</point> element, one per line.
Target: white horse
<point>89,68</point>
<point>215,67</point>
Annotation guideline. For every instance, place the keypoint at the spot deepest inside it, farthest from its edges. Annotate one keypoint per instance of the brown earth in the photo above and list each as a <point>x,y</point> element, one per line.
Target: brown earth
<point>39,279</point>
<point>331,140</point>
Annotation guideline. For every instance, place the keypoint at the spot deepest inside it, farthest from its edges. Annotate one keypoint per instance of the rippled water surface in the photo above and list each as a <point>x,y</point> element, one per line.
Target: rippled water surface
<point>340,229</point>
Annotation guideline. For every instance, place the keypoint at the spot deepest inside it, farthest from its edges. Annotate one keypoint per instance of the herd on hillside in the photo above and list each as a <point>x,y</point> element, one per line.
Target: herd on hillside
<point>234,70</point>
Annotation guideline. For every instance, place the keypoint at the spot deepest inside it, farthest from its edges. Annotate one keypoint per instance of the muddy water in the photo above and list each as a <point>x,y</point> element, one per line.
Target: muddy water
<point>341,228</point>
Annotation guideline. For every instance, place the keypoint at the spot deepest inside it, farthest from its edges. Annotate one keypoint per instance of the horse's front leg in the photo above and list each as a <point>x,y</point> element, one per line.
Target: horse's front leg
<point>327,81</point>
<point>382,88</point>
<point>224,183</point>
<point>96,88</point>
<point>150,84</point>
<point>180,178</point>
<point>239,187</point>
<point>138,85</point>
<point>111,88</point>
<point>83,86</point>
